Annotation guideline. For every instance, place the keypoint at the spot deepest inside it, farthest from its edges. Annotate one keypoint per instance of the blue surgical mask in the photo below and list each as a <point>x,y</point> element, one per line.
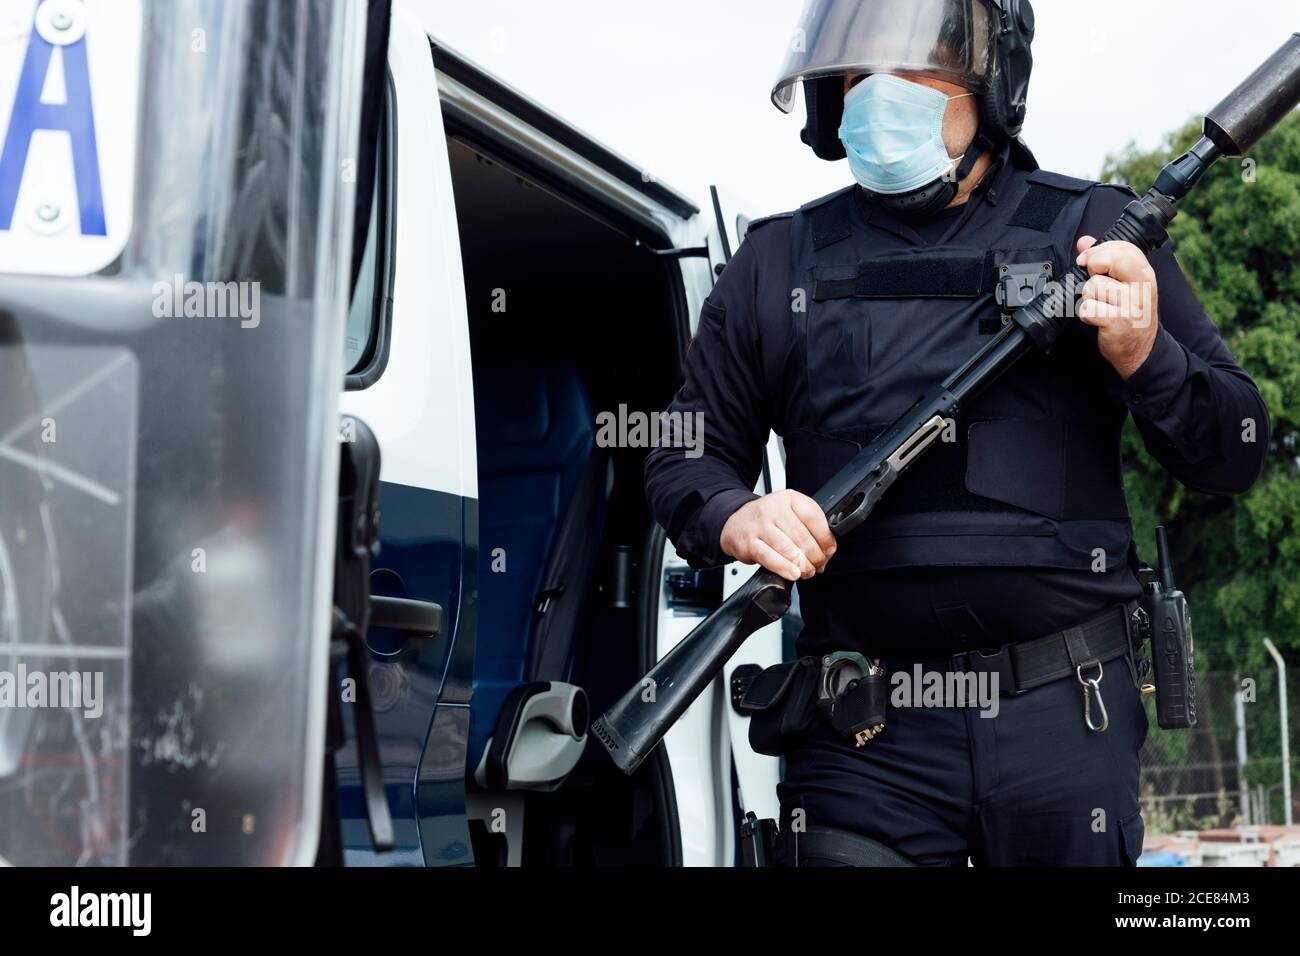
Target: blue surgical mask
<point>893,134</point>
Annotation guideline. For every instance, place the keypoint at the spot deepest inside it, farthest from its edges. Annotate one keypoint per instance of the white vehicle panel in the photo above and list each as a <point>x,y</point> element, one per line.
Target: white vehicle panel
<point>422,407</point>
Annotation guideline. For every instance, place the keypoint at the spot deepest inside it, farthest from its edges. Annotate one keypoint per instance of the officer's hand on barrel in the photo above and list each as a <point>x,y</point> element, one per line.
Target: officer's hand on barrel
<point>1120,299</point>
<point>786,532</point>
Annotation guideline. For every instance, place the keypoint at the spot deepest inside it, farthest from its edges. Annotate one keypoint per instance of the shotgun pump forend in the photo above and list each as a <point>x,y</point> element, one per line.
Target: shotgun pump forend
<point>635,724</point>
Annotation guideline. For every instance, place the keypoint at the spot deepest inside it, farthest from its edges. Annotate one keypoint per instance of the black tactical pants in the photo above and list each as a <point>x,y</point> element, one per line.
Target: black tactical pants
<point>1031,786</point>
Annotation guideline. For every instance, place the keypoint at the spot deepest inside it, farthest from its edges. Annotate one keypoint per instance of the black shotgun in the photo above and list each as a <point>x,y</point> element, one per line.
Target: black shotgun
<point>638,721</point>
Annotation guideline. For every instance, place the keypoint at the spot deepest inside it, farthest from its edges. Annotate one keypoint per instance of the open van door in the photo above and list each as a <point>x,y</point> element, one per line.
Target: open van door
<point>493,491</point>
<point>487,461</point>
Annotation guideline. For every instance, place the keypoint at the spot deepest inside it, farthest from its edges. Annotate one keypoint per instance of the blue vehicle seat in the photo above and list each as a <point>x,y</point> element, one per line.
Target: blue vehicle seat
<point>541,510</point>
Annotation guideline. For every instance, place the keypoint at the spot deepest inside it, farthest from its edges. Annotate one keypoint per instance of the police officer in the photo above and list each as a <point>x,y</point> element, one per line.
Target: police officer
<point>1007,551</point>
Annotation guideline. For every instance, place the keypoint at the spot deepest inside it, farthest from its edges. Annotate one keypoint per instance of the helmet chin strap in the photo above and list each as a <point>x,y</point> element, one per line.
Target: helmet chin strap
<point>926,202</point>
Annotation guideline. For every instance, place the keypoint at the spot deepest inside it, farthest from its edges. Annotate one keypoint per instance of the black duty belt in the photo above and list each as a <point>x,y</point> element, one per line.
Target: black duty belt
<point>788,701</point>
<point>1030,664</point>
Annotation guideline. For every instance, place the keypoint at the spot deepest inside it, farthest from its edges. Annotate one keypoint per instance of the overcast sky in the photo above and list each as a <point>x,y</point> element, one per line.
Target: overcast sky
<point>681,87</point>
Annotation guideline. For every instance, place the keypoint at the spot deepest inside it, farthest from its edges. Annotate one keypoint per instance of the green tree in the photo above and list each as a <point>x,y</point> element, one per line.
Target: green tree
<point>1237,238</point>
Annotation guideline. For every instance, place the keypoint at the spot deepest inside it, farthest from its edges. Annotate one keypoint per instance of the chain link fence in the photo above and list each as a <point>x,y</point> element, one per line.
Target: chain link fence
<point>1226,771</point>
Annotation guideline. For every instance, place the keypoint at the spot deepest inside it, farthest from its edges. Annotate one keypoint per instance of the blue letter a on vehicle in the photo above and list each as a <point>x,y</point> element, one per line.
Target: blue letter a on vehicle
<point>75,116</point>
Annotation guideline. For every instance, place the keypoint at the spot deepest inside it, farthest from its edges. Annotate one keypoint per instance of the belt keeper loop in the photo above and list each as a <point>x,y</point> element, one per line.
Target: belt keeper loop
<point>1076,645</point>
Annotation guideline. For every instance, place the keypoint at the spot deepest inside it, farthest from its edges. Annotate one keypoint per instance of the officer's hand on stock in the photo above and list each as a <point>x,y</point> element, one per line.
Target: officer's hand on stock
<point>1120,299</point>
<point>786,532</point>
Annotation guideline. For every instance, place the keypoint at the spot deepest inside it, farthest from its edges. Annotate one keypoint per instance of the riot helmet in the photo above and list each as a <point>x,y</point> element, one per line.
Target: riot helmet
<point>983,45</point>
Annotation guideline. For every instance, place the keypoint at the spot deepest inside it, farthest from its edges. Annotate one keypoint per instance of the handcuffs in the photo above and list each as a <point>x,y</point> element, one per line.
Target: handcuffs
<point>853,695</point>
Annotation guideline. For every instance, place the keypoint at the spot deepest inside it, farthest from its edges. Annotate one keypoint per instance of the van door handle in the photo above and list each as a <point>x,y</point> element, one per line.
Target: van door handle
<point>416,618</point>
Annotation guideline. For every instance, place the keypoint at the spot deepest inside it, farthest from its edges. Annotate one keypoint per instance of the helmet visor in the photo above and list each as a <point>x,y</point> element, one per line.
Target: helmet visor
<point>948,39</point>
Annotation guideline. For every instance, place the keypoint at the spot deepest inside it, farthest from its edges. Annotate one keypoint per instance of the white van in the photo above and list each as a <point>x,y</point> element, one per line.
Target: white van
<point>522,281</point>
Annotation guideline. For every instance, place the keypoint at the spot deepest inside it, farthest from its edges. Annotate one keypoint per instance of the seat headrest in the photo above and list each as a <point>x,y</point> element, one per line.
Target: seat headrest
<point>530,418</point>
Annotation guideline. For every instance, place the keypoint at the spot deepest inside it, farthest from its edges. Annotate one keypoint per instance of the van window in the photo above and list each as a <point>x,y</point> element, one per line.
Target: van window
<point>365,343</point>
<point>362,317</point>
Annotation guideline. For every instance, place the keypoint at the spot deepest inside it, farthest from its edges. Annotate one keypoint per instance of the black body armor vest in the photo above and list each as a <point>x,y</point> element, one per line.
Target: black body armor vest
<point>1030,475</point>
